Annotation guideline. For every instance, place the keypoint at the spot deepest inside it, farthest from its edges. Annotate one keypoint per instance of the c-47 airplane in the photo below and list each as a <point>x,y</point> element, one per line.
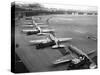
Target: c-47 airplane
<point>81,59</point>
<point>37,29</point>
<point>51,40</point>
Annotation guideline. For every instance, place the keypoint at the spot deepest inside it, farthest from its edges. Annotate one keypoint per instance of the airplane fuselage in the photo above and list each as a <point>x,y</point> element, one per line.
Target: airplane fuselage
<point>51,41</point>
<point>43,45</point>
<point>31,33</point>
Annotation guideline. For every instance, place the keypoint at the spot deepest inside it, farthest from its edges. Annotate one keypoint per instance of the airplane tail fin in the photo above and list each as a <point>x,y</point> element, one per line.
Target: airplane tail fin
<point>52,33</point>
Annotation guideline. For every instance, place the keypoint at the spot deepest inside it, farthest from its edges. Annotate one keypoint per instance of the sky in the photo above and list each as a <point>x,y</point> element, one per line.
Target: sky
<point>76,7</point>
<point>64,6</point>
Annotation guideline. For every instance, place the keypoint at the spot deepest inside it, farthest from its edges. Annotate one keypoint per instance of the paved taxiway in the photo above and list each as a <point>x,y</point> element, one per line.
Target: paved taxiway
<point>76,27</point>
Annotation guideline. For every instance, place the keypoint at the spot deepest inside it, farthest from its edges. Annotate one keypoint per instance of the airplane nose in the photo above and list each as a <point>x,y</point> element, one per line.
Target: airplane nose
<point>93,66</point>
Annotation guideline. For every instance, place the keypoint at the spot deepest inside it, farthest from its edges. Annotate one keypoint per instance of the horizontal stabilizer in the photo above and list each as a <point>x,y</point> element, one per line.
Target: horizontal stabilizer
<point>58,46</point>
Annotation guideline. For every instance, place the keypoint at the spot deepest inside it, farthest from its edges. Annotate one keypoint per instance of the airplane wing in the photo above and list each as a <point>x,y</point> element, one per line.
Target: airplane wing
<point>35,42</point>
<point>30,30</point>
<point>64,59</point>
<point>48,30</point>
<point>64,39</point>
<point>92,52</point>
<point>28,25</point>
<point>93,55</point>
<point>43,25</point>
<point>34,25</point>
<point>40,23</point>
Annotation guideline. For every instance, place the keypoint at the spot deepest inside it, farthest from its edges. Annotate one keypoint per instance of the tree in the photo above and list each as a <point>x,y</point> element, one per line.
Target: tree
<point>36,5</point>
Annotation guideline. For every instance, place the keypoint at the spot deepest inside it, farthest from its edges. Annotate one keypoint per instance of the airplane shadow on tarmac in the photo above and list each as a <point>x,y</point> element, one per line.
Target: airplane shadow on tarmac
<point>63,51</point>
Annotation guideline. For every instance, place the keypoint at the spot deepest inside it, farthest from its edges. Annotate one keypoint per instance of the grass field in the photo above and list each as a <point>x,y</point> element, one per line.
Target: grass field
<point>76,27</point>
